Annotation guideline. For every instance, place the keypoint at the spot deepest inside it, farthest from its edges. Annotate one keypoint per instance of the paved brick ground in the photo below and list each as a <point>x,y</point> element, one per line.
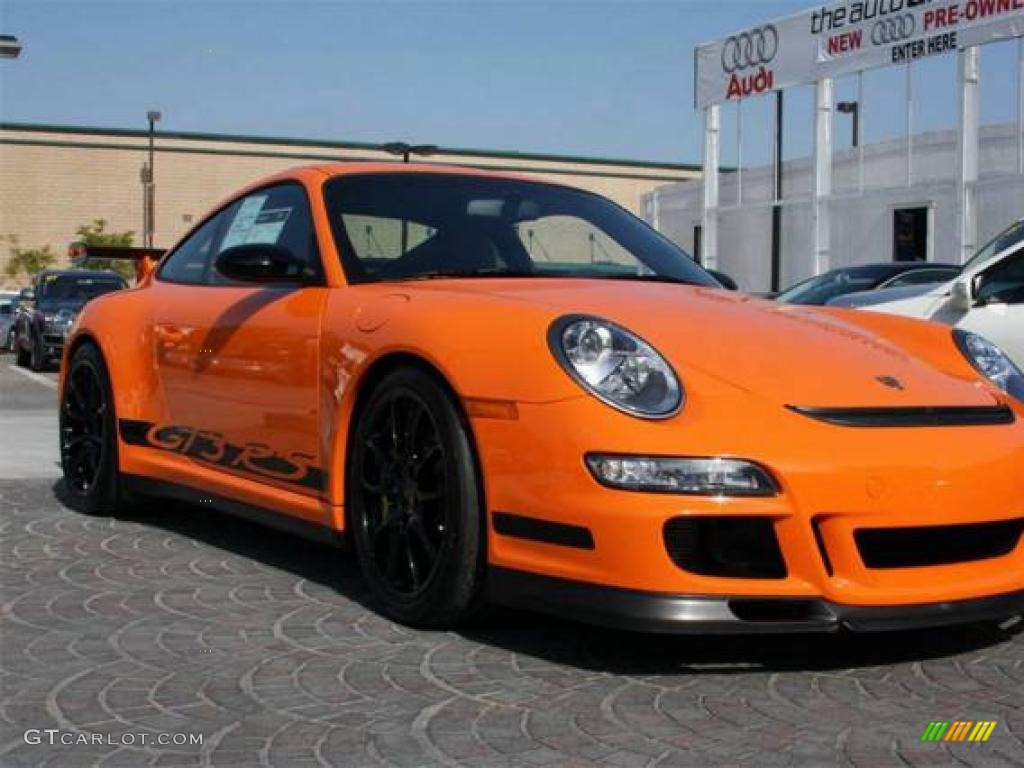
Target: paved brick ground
<point>186,621</point>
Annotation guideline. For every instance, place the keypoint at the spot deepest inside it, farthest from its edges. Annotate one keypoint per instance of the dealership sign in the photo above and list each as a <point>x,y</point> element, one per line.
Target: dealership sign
<point>845,38</point>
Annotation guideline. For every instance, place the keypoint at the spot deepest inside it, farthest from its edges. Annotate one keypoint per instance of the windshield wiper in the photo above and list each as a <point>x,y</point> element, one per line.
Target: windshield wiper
<point>645,278</point>
<point>440,274</point>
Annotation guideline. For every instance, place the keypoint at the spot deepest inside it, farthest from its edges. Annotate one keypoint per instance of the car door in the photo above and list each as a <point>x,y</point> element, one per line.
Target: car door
<point>239,363</point>
<point>998,311</point>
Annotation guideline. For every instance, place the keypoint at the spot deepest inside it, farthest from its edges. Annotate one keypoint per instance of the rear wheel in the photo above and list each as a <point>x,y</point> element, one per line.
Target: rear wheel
<point>415,508</point>
<point>88,442</point>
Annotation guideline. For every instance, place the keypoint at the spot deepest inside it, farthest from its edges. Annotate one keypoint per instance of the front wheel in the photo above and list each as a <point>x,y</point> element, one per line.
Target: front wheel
<point>37,359</point>
<point>22,356</point>
<point>88,442</point>
<point>414,501</point>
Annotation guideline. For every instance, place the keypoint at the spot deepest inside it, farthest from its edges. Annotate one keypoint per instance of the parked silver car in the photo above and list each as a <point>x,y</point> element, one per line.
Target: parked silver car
<point>7,307</point>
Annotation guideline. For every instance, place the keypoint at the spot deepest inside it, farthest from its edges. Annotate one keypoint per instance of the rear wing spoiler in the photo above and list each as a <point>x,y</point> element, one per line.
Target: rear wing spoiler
<point>145,258</point>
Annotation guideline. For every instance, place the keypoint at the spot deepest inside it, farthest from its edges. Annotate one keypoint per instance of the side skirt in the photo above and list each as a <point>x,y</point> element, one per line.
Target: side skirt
<point>148,486</point>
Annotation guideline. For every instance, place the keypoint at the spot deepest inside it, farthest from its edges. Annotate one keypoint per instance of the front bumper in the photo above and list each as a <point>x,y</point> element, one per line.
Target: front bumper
<point>679,614</point>
<point>52,341</point>
<point>886,519</point>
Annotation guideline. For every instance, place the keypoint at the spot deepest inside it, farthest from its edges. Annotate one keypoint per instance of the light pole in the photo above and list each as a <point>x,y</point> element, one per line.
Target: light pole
<point>148,183</point>
<point>405,150</point>
<point>852,108</point>
<point>10,48</point>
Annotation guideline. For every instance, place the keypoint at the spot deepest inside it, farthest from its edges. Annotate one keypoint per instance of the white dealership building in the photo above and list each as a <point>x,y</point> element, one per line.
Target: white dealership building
<point>934,195</point>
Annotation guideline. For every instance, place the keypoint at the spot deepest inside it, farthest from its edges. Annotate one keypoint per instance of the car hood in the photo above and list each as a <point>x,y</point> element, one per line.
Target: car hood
<point>794,355</point>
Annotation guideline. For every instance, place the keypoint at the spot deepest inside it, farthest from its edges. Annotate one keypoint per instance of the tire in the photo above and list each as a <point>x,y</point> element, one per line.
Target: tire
<point>415,508</point>
<point>21,354</point>
<point>88,440</point>
<point>37,361</point>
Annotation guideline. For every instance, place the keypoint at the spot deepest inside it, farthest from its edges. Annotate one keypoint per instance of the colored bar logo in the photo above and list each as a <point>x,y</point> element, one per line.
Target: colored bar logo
<point>958,730</point>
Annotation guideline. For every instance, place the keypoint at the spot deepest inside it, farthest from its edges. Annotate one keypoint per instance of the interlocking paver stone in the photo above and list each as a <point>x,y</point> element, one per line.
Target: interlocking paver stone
<point>181,620</point>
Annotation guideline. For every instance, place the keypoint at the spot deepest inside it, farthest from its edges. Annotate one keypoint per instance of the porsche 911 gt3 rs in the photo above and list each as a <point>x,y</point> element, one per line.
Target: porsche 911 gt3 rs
<point>503,390</point>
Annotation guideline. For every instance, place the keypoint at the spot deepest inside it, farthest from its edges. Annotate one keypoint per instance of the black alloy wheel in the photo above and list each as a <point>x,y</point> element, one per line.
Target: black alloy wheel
<point>414,501</point>
<point>88,444</point>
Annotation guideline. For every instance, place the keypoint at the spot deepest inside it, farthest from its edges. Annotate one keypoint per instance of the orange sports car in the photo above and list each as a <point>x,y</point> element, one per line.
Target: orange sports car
<point>502,390</point>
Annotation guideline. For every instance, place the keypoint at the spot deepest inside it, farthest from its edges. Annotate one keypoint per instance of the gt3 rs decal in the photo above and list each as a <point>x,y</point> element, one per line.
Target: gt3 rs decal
<point>210,447</point>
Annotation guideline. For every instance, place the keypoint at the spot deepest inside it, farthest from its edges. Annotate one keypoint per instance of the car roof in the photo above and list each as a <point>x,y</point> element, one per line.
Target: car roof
<point>888,268</point>
<point>318,172</point>
<point>349,169</point>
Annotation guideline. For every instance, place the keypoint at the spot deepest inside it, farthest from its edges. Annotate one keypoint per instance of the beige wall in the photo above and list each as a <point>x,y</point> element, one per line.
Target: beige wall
<point>56,179</point>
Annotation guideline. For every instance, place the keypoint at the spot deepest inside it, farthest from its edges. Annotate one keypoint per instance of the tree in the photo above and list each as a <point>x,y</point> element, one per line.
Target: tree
<point>27,260</point>
<point>95,233</point>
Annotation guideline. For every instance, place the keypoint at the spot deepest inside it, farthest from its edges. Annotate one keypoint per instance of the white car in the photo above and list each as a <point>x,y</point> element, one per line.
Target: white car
<point>987,298</point>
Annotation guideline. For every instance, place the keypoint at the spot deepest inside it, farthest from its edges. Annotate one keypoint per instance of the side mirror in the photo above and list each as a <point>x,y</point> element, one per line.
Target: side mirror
<point>727,282</point>
<point>962,296</point>
<point>263,263</point>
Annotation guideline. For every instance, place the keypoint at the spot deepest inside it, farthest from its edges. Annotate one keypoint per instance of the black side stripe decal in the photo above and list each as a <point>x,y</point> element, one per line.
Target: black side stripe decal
<point>257,459</point>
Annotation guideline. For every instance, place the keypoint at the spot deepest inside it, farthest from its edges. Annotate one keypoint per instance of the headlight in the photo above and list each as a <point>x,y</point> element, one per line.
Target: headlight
<point>616,366</point>
<point>698,476</point>
<point>991,362</point>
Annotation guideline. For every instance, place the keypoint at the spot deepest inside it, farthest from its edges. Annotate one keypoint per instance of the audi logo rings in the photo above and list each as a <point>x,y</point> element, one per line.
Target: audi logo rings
<point>893,30</point>
<point>748,49</point>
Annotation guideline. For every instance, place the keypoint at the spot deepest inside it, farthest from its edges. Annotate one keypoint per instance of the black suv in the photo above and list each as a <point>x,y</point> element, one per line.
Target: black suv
<point>49,307</point>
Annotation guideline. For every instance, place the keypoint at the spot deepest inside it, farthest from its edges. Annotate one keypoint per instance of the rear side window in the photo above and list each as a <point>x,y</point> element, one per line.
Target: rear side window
<point>190,263</point>
<point>276,215</point>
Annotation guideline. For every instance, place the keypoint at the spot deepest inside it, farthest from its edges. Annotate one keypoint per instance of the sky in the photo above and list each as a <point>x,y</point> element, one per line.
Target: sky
<point>598,79</point>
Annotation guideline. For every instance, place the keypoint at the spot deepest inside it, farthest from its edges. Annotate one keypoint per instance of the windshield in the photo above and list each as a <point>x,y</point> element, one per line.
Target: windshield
<point>408,226</point>
<point>58,288</point>
<point>821,289</point>
<point>1009,237</point>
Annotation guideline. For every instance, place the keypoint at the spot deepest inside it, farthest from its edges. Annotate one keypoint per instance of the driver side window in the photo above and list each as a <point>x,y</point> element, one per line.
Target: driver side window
<point>1004,283</point>
<point>277,215</point>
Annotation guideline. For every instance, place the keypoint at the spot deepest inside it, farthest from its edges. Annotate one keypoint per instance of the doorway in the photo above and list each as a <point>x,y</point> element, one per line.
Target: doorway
<point>910,234</point>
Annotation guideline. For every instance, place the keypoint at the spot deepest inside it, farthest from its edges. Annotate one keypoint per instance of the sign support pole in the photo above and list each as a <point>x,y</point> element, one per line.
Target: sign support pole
<point>822,174</point>
<point>712,155</point>
<point>967,152</point>
<point>1020,105</point>
<point>777,195</point>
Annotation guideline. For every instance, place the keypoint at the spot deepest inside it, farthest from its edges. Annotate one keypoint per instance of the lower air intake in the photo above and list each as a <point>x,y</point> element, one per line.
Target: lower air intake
<point>937,544</point>
<point>738,547</point>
